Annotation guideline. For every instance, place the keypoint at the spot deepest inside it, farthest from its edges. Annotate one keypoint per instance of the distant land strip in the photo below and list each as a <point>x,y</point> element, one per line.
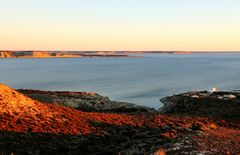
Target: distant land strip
<point>57,54</point>
<point>82,54</point>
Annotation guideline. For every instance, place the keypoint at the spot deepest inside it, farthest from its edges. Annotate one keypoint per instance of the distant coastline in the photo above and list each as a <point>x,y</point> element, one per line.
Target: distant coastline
<point>57,54</point>
<point>84,54</point>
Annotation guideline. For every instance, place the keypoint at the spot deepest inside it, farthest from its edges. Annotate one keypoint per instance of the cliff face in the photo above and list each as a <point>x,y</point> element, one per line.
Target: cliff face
<point>57,54</point>
<point>6,54</point>
<point>41,54</point>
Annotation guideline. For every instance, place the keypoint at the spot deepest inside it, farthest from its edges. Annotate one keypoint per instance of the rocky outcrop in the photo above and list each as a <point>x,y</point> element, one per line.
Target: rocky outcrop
<point>223,105</point>
<point>84,101</point>
<point>28,126</point>
<point>6,54</point>
<point>22,114</point>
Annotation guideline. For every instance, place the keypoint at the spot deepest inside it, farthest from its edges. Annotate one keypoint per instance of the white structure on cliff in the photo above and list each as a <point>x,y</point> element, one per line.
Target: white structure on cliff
<point>214,90</point>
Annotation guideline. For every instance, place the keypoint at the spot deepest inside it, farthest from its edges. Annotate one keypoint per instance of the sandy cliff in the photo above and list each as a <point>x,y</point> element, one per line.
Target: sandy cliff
<point>36,54</point>
<point>57,54</point>
<point>6,54</point>
<point>43,54</point>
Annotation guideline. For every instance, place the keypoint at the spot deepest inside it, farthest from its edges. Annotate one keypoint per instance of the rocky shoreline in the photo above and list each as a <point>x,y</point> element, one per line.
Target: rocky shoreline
<point>84,101</point>
<point>46,122</point>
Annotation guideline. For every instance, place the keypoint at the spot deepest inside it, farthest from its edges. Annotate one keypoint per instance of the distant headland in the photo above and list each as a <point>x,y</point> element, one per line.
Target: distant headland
<point>59,54</point>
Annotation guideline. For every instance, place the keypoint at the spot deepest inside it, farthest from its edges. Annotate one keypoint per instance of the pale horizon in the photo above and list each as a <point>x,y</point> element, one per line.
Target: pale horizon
<point>136,25</point>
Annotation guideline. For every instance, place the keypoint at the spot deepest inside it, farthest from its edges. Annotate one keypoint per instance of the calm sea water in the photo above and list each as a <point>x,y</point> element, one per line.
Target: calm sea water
<point>141,80</point>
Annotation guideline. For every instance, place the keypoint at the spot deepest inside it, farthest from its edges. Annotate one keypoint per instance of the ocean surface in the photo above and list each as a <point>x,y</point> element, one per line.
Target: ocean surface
<point>141,80</point>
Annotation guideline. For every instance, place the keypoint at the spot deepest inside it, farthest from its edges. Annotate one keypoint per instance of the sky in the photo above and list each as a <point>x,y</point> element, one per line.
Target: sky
<point>146,25</point>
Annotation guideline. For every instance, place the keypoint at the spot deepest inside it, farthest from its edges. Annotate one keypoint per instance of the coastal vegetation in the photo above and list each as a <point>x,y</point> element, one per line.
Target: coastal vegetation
<point>38,122</point>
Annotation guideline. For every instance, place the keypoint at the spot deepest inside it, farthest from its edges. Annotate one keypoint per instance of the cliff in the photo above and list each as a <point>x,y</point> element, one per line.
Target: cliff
<point>41,54</point>
<point>6,54</point>
<point>57,54</point>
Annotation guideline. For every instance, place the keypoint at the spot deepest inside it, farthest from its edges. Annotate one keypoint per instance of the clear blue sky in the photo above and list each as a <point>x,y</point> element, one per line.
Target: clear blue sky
<point>120,24</point>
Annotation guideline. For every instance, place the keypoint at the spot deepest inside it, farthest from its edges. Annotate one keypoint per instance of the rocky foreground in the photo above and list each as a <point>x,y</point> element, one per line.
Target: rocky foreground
<point>43,122</point>
<point>84,101</point>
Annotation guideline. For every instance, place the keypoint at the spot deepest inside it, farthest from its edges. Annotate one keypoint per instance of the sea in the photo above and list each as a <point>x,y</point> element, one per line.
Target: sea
<point>142,80</point>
